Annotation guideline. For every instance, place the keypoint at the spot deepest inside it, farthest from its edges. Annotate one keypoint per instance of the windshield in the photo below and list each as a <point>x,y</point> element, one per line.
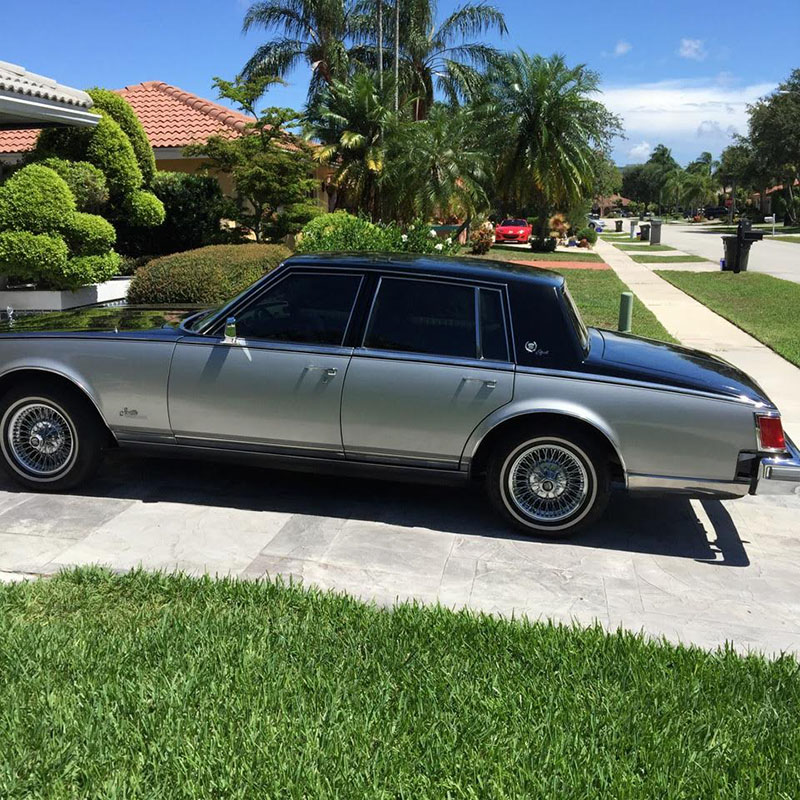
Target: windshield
<point>575,317</point>
<point>513,223</point>
<point>199,321</point>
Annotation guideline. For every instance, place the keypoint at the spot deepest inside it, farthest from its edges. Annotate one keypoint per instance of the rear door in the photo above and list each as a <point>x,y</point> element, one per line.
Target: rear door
<point>433,362</point>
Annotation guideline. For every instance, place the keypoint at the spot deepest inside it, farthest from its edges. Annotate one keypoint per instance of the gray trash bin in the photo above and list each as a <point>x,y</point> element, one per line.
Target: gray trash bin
<point>633,224</point>
<point>737,254</point>
<point>655,231</point>
<point>618,224</point>
<point>644,231</point>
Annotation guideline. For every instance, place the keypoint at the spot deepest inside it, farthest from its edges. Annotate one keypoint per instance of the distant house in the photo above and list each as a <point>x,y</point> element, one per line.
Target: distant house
<point>172,119</point>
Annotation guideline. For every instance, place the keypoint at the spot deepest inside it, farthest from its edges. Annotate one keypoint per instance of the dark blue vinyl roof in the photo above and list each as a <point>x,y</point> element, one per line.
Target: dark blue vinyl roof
<point>454,267</point>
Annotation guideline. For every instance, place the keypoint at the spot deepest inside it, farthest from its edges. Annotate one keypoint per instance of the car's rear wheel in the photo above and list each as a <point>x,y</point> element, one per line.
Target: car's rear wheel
<point>549,484</point>
<point>50,437</point>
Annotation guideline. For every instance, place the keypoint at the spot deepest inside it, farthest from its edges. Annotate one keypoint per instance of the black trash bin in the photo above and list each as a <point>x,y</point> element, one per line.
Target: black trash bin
<point>737,248</point>
<point>655,231</point>
<point>644,233</point>
<point>618,225</point>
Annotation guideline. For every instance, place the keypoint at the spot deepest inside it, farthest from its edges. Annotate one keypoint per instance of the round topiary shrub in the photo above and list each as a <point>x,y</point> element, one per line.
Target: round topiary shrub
<point>144,210</point>
<point>89,235</point>
<point>35,199</point>
<point>590,234</point>
<point>30,256</point>
<point>340,231</point>
<point>111,150</point>
<point>207,276</point>
<point>83,270</point>
<point>121,112</point>
<point>86,182</point>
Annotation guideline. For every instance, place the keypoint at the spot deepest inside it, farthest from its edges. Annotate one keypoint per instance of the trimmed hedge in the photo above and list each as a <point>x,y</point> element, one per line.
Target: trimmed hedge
<point>35,199</point>
<point>30,256</point>
<point>83,270</point>
<point>144,210</point>
<point>86,182</point>
<point>89,235</point>
<point>111,150</point>
<point>121,112</point>
<point>207,276</point>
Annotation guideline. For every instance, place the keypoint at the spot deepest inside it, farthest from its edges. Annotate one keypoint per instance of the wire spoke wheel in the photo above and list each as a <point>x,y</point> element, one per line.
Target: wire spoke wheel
<point>548,483</point>
<point>41,439</point>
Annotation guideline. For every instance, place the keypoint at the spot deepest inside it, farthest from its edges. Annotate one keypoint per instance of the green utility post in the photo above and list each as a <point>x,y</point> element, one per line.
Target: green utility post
<point>625,312</point>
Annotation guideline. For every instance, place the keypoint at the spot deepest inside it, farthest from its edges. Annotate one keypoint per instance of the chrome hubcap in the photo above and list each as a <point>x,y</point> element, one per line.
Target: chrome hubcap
<point>40,439</point>
<point>548,483</point>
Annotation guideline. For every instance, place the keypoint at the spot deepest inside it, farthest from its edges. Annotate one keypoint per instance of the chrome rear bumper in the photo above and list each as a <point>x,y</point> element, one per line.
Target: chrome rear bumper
<point>780,474</point>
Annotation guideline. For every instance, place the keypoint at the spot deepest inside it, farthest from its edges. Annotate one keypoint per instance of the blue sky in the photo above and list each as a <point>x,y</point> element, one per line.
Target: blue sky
<point>680,73</point>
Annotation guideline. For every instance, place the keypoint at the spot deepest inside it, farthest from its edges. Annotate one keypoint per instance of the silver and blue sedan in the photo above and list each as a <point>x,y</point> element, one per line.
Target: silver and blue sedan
<point>401,367</point>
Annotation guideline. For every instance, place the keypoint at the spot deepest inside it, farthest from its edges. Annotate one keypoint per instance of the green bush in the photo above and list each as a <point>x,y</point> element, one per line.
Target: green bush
<point>89,235</point>
<point>207,276</point>
<point>590,234</point>
<point>143,210</point>
<point>340,231</point>
<point>86,182</point>
<point>111,150</point>
<point>83,270</point>
<point>192,212</point>
<point>121,112</point>
<point>35,199</point>
<point>30,256</point>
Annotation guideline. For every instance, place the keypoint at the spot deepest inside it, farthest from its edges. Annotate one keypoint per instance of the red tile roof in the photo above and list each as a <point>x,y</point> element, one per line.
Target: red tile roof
<point>170,116</point>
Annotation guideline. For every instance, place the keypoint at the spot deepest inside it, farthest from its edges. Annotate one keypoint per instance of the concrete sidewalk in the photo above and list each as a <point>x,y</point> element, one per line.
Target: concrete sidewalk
<point>694,325</point>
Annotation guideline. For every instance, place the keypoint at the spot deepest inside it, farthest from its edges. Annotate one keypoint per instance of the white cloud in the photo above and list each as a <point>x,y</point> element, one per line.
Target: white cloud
<point>692,49</point>
<point>640,152</point>
<point>622,48</point>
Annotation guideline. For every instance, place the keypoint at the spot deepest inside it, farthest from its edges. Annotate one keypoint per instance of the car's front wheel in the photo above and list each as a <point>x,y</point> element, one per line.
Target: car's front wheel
<point>50,439</point>
<point>549,484</point>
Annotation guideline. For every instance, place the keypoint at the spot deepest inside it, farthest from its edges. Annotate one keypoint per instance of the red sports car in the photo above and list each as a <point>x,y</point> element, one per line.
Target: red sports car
<point>513,230</point>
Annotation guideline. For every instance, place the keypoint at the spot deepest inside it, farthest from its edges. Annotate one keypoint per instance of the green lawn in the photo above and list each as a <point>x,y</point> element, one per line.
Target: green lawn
<point>646,258</point>
<point>500,253</point>
<point>151,686</point>
<point>597,295</point>
<point>644,247</point>
<point>795,239</point>
<point>766,307</point>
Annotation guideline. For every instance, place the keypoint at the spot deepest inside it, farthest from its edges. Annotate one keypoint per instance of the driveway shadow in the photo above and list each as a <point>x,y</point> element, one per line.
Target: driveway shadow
<point>654,525</point>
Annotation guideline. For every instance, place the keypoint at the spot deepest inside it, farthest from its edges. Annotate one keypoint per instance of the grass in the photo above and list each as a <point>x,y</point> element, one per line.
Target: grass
<point>597,296</point>
<point>767,308</point>
<point>510,254</point>
<point>795,239</point>
<point>644,247</point>
<point>653,259</point>
<point>142,686</point>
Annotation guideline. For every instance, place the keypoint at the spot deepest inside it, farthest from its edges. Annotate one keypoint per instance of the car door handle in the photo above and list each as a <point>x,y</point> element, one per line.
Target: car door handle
<point>487,384</point>
<point>329,372</point>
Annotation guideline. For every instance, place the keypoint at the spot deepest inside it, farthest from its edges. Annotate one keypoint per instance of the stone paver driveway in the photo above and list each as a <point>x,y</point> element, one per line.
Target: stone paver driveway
<point>696,572</point>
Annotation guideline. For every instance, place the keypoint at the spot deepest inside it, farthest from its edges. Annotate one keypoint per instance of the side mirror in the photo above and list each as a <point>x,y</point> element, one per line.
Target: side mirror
<point>230,331</point>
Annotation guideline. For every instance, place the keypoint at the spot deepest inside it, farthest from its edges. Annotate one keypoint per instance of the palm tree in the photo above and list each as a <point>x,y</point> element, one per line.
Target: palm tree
<point>675,185</point>
<point>445,56</point>
<point>314,31</point>
<point>544,118</point>
<point>350,120</point>
<point>437,167</point>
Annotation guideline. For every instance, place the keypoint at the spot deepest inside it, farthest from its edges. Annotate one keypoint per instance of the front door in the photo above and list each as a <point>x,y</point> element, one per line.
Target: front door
<point>434,363</point>
<point>279,387</point>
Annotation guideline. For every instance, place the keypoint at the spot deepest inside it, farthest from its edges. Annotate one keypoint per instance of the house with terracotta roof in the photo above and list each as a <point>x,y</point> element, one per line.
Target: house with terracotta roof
<point>172,119</point>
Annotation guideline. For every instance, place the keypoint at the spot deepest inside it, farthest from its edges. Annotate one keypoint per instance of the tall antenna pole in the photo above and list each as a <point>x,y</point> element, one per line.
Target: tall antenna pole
<point>396,55</point>
<point>380,43</point>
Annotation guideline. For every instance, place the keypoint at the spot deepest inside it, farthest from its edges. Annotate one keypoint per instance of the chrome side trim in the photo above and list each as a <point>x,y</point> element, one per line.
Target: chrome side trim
<point>658,387</point>
<point>257,447</point>
<point>700,487</point>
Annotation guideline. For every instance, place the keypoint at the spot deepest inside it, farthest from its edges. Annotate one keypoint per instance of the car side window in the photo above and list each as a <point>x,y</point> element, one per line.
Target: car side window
<point>423,317</point>
<point>303,309</point>
<point>494,346</point>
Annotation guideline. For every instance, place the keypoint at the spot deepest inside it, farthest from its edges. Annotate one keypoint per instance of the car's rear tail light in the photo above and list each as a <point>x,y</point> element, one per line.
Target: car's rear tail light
<point>770,433</point>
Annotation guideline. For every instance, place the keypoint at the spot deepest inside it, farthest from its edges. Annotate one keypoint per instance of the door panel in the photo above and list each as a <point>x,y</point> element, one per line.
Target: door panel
<point>281,396</point>
<point>396,408</point>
